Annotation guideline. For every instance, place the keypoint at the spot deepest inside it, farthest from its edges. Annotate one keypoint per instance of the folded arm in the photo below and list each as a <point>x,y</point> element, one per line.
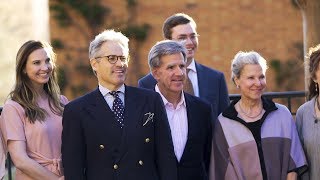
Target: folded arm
<point>23,162</point>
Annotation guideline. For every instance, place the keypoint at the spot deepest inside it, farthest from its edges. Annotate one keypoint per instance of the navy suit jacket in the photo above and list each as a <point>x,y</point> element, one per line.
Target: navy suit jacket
<point>94,147</point>
<point>211,83</point>
<point>195,160</point>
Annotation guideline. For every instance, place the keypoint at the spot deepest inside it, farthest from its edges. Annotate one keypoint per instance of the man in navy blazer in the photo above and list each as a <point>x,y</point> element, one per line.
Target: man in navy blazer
<point>189,117</point>
<point>116,131</point>
<point>208,84</point>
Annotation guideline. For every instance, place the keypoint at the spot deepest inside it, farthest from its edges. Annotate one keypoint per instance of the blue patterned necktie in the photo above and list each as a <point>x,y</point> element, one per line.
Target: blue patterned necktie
<point>118,108</point>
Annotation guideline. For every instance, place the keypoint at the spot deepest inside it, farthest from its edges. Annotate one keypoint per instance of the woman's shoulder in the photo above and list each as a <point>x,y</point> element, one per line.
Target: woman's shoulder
<point>64,100</point>
<point>12,109</point>
<point>306,106</point>
<point>11,104</point>
<point>282,113</point>
<point>282,108</point>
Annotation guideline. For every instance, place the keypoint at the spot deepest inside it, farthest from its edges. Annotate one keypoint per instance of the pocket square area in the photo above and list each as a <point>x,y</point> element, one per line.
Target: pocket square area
<point>148,117</point>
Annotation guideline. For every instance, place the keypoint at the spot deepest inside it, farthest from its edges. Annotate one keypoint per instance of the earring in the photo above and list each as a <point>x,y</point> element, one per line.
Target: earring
<point>316,87</point>
<point>238,86</point>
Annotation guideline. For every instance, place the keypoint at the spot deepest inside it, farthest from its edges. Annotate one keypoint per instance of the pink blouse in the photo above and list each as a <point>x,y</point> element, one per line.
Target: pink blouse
<point>43,139</point>
<point>3,154</point>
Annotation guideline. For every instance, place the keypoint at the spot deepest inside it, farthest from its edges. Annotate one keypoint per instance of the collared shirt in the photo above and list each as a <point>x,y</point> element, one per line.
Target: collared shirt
<point>108,97</point>
<point>193,77</point>
<point>178,121</point>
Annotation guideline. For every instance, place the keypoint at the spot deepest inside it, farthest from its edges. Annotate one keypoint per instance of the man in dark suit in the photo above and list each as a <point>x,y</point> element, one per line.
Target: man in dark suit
<point>116,131</point>
<point>207,83</point>
<point>190,118</point>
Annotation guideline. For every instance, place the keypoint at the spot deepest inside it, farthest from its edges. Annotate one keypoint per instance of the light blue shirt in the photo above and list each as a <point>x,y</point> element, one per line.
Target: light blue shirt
<point>108,97</point>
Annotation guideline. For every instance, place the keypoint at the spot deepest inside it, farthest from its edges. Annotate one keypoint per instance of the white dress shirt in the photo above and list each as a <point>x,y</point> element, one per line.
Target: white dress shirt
<point>193,77</point>
<point>108,97</point>
<point>178,121</point>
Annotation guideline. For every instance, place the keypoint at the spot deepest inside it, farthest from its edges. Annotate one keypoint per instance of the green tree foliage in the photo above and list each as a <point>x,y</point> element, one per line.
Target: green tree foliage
<point>96,17</point>
<point>290,71</point>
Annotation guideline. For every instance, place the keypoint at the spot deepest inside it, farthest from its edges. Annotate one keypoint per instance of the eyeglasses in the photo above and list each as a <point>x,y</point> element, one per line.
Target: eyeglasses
<point>185,37</point>
<point>113,58</point>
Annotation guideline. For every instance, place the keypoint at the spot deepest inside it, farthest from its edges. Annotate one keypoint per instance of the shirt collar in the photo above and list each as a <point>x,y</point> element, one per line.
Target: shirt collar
<point>166,102</point>
<point>192,66</point>
<point>104,91</point>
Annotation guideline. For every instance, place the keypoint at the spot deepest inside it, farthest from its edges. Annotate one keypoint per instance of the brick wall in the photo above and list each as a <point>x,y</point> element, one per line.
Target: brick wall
<point>270,27</point>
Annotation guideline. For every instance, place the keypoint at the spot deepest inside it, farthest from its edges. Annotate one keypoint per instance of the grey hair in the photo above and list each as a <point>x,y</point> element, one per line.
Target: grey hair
<point>108,35</point>
<point>243,58</point>
<point>162,48</point>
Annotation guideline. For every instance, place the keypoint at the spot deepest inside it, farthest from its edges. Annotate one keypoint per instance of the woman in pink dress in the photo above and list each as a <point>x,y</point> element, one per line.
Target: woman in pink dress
<point>2,158</point>
<point>31,118</point>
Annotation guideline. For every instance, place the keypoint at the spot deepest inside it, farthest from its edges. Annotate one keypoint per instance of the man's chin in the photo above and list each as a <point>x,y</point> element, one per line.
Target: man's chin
<point>177,90</point>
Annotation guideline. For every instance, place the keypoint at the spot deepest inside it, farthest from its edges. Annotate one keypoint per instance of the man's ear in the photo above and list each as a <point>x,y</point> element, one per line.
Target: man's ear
<point>93,64</point>
<point>155,73</point>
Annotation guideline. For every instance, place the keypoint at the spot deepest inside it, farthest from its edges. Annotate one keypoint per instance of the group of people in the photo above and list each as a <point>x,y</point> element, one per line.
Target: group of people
<point>177,125</point>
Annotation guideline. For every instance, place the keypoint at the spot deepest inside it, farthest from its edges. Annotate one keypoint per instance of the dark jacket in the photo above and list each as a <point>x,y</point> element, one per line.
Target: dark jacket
<point>94,147</point>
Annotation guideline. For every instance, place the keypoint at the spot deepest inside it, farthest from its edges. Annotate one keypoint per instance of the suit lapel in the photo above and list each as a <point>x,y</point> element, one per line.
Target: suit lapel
<point>131,118</point>
<point>202,78</point>
<point>192,124</point>
<point>97,106</point>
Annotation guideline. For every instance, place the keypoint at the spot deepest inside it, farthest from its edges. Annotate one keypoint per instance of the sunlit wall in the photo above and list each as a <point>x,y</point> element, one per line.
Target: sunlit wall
<point>20,21</point>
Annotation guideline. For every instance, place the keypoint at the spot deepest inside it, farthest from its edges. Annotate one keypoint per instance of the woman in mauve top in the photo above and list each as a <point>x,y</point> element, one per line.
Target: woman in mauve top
<point>308,118</point>
<point>255,138</point>
<point>31,118</point>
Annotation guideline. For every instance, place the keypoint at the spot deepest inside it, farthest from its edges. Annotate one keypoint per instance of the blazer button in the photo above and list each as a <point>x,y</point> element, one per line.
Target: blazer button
<point>147,140</point>
<point>101,146</point>
<point>115,166</point>
<point>141,162</point>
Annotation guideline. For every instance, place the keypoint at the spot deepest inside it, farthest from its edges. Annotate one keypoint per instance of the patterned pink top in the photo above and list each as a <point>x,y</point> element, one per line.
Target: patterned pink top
<point>43,139</point>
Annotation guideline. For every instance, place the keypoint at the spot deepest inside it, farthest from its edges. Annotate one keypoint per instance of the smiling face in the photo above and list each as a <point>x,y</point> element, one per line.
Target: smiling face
<point>187,33</point>
<point>111,76</point>
<point>252,82</point>
<point>316,73</point>
<point>170,75</point>
<point>39,67</point>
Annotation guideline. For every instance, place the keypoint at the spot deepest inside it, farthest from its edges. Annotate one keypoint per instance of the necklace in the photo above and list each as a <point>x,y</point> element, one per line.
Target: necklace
<point>246,114</point>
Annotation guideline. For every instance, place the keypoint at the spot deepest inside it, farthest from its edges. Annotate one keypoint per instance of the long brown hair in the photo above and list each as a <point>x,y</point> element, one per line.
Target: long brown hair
<point>314,59</point>
<point>24,92</point>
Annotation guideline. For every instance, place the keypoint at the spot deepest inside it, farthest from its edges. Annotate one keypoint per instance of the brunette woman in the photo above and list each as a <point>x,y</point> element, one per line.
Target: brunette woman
<point>308,117</point>
<point>31,118</point>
